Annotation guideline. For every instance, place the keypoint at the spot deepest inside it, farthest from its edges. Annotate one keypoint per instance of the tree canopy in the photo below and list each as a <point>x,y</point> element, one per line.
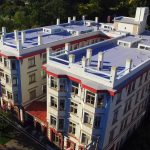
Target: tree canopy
<point>22,14</point>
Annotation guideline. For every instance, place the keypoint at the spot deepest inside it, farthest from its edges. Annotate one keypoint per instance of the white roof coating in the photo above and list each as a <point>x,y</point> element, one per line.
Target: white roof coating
<point>31,35</point>
<point>130,39</point>
<point>114,55</point>
<point>128,20</point>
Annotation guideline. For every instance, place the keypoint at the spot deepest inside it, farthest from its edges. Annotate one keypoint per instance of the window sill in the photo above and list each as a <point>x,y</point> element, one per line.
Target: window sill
<point>31,66</point>
<point>32,82</point>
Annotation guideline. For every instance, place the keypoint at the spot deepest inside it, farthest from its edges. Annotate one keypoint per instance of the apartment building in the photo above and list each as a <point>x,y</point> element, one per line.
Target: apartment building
<point>97,95</point>
<point>22,54</point>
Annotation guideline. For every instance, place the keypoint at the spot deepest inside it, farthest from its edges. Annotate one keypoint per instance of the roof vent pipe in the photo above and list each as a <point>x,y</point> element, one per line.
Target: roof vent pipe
<point>113,74</point>
<point>96,19</point>
<point>128,65</point>
<point>58,21</point>
<point>100,60</point>
<point>16,34</point>
<point>71,58</point>
<point>89,56</point>
<point>4,31</point>
<point>83,19</point>
<point>84,62</point>
<point>74,18</point>
<point>19,45</point>
<point>23,36</point>
<point>40,39</point>
<point>67,48</point>
<point>69,20</point>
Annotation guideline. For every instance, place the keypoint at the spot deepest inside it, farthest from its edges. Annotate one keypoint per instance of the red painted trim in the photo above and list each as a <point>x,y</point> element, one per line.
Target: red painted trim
<point>78,81</point>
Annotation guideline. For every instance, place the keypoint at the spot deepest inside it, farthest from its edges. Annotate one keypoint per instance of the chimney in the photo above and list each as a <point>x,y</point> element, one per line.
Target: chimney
<point>19,45</point>
<point>3,31</point>
<point>74,18</point>
<point>23,36</point>
<point>40,40</point>
<point>16,34</point>
<point>71,59</point>
<point>100,60</point>
<point>83,19</point>
<point>96,19</point>
<point>89,56</point>
<point>48,52</point>
<point>84,62</point>
<point>128,65</point>
<point>2,39</point>
<point>113,74</point>
<point>69,20</point>
<point>67,48</point>
<point>58,21</point>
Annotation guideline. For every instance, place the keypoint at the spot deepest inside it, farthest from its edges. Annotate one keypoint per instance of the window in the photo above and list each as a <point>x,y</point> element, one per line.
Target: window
<point>32,94</point>
<point>32,78</point>
<point>43,74</point>
<point>97,121</point>
<point>53,82</point>
<point>44,58</point>
<point>16,97</point>
<point>13,65</point>
<point>53,102</point>
<point>7,79</point>
<point>127,106</point>
<point>61,124</point>
<point>111,135</point>
<point>140,82</point>
<point>87,119</point>
<point>6,62</point>
<point>73,108</point>
<point>1,74</point>
<point>137,97</point>
<point>3,89</point>
<point>31,62</point>
<point>123,124</point>
<point>115,117</point>
<point>84,139</point>
<point>1,59</point>
<point>75,87</point>
<point>53,121</point>
<point>14,81</point>
<point>62,84</point>
<point>72,128</point>
<point>9,95</point>
<point>44,89</point>
<point>100,101</point>
<point>119,97</point>
<point>142,92</point>
<point>146,76</point>
<point>62,105</point>
<point>90,97</point>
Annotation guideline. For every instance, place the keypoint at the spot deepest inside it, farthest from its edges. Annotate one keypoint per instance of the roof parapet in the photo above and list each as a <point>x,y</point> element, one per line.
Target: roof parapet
<point>128,65</point>
<point>100,60</point>
<point>16,35</point>
<point>89,56</point>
